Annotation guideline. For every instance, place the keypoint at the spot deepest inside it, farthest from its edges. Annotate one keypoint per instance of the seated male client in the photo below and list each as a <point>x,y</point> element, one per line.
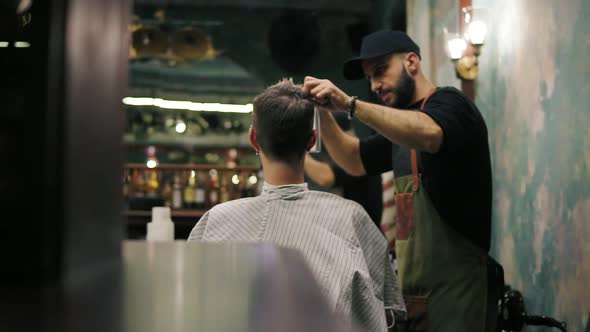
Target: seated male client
<point>344,249</point>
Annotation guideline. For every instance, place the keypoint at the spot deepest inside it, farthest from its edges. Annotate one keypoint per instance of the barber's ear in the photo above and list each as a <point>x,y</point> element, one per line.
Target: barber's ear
<point>312,139</point>
<point>412,62</point>
<point>253,141</point>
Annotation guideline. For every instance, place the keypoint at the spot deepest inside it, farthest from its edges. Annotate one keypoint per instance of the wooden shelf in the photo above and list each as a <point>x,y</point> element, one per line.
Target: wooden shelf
<point>205,141</point>
<point>199,167</point>
<point>173,213</point>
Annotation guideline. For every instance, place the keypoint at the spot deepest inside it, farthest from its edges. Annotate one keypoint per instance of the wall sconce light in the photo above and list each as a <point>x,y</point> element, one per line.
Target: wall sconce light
<point>476,32</point>
<point>464,49</point>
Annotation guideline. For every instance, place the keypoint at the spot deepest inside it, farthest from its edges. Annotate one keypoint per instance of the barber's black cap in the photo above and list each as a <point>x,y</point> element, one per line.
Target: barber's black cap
<point>378,44</point>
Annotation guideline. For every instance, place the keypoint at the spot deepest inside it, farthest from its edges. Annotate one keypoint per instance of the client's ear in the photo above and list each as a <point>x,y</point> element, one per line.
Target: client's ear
<point>312,140</point>
<point>253,141</point>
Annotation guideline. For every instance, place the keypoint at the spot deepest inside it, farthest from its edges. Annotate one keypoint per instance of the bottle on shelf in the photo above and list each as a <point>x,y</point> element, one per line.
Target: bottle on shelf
<point>200,192</point>
<point>251,185</point>
<point>189,192</point>
<point>167,194</point>
<point>213,189</point>
<point>152,183</point>
<point>177,193</point>
<point>237,183</point>
<point>224,189</point>
<point>243,185</point>
<point>126,185</point>
<point>232,155</point>
<point>138,184</point>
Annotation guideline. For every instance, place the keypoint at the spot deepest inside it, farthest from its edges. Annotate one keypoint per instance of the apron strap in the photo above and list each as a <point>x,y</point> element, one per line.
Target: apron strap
<point>416,182</point>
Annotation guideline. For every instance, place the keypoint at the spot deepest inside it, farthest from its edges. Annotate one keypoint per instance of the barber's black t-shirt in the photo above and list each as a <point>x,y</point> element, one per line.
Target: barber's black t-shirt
<point>365,190</point>
<point>458,178</point>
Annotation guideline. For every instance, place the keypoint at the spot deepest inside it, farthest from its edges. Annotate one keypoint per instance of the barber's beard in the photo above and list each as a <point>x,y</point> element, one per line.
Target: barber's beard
<point>404,91</point>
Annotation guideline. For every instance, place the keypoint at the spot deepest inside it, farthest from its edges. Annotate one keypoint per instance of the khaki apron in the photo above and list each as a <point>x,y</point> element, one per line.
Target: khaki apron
<point>443,276</point>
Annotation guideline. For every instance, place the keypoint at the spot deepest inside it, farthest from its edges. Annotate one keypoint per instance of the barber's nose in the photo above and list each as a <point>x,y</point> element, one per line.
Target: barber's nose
<point>375,85</point>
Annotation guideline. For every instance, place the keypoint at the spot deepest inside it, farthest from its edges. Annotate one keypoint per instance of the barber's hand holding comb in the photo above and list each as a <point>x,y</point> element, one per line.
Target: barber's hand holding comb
<point>325,94</point>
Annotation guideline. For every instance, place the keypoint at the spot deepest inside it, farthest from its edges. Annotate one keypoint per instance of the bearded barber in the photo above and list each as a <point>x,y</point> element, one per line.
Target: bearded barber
<point>436,142</point>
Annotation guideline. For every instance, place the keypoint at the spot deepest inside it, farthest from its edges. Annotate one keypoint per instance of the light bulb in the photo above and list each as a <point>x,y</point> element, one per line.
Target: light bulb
<point>235,179</point>
<point>477,32</point>
<point>456,47</point>
<point>152,163</point>
<point>253,179</point>
<point>180,127</point>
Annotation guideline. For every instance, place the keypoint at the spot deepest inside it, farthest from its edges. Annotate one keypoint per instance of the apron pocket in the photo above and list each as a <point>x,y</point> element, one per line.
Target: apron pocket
<point>404,205</point>
<point>417,307</point>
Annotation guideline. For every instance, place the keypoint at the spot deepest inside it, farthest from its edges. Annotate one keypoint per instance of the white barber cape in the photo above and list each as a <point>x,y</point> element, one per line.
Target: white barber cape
<point>346,252</point>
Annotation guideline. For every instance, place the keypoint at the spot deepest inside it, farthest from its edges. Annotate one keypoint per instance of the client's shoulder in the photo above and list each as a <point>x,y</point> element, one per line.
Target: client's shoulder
<point>236,206</point>
<point>329,199</point>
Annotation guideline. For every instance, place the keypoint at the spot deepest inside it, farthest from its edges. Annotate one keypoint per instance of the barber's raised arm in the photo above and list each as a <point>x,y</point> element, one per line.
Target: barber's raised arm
<point>411,129</point>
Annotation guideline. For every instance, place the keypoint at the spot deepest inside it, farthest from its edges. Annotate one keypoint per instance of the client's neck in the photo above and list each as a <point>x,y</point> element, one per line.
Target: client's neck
<point>280,173</point>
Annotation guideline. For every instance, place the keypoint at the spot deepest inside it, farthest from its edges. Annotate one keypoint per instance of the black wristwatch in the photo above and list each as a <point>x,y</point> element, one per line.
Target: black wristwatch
<point>351,107</point>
